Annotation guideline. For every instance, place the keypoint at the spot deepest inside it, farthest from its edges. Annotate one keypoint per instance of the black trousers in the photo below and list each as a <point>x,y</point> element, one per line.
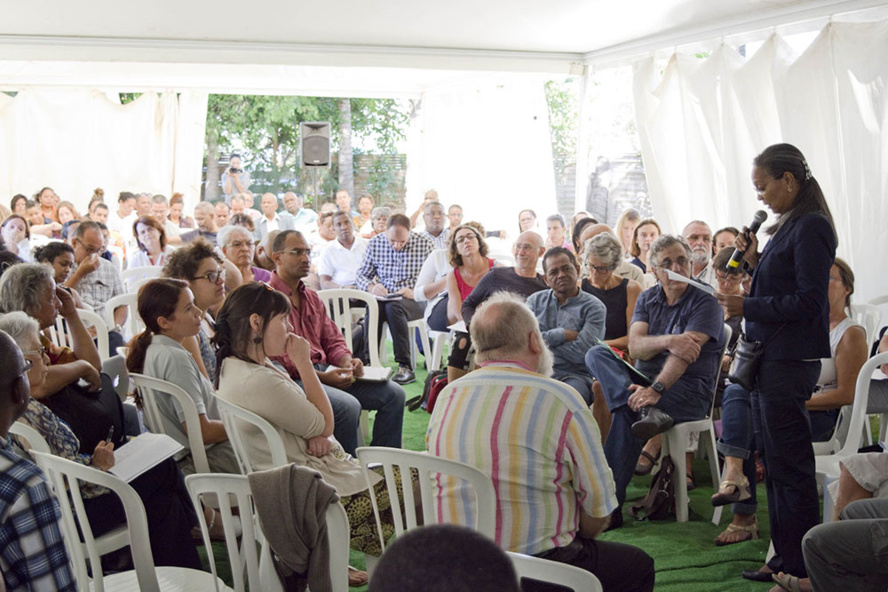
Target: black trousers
<point>397,314</point>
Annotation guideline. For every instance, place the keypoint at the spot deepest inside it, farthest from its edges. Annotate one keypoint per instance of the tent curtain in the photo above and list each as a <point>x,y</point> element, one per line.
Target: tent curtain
<point>484,145</point>
<point>77,140</point>
<point>702,121</point>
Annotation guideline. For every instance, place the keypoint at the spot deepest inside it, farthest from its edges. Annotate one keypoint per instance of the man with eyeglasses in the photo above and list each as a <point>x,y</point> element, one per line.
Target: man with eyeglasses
<point>676,336</point>
<point>433,217</point>
<point>699,237</point>
<point>389,271</point>
<point>328,348</point>
<point>33,555</point>
<point>96,279</point>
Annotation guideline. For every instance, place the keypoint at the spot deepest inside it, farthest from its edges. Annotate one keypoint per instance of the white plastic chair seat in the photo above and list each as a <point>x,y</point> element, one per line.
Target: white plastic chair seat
<point>169,579</point>
<point>553,572</point>
<point>234,418</point>
<point>134,277</point>
<point>134,324</point>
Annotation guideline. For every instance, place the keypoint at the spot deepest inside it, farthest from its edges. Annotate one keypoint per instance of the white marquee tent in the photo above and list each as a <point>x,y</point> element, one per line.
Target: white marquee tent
<point>478,68</point>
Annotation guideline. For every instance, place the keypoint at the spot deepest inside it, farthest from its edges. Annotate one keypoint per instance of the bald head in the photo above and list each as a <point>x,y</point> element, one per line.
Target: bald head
<point>593,230</point>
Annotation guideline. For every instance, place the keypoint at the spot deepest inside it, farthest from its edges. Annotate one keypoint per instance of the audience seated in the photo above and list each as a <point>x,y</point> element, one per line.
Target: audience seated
<point>571,320</point>
<point>389,272</point>
<point>33,555</point>
<point>336,366</point>
<point>302,219</point>
<point>205,219</point>
<point>538,473</point>
<point>527,220</point>
<point>433,218</point>
<point>237,246</point>
<point>38,224</point>
<point>365,212</point>
<point>522,279</point>
<point>724,238</point>
<point>624,269</point>
<point>379,220</point>
<point>15,237</point>
<point>253,326</point>
<point>469,263</point>
<point>162,490</point>
<point>270,219</point>
<point>602,258</point>
<point>68,211</point>
<point>59,256</point>
<point>223,213</point>
<point>339,263</point>
<point>48,201</point>
<point>646,232</point>
<point>431,288</point>
<point>344,203</point>
<point>160,211</point>
<point>624,229</point>
<point>556,232</point>
<point>177,216</point>
<point>151,239</point>
<point>676,335</point>
<point>430,196</point>
<point>699,237</point>
<point>444,558</point>
<point>170,315</point>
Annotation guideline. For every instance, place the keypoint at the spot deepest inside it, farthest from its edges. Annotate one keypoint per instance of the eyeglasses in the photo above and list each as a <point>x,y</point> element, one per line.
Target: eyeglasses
<point>681,261</point>
<point>731,278</point>
<point>296,252</point>
<point>28,365</point>
<point>40,352</point>
<point>466,237</point>
<point>212,276</point>
<point>601,269</point>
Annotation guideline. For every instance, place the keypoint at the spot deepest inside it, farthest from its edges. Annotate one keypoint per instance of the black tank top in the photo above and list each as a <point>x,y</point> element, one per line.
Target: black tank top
<point>615,301</point>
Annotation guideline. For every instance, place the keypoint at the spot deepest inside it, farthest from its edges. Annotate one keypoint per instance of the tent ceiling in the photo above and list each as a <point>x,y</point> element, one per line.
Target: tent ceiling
<point>458,34</point>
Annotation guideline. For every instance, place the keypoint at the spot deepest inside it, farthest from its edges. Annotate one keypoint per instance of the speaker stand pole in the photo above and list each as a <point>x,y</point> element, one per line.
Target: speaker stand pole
<point>314,182</point>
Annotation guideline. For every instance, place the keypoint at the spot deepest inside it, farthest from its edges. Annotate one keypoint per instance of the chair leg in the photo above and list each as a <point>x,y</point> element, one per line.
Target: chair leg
<point>437,352</point>
<point>674,445</point>
<point>709,439</point>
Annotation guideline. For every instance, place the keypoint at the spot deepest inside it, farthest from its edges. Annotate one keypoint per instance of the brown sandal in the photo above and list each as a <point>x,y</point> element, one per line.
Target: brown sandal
<point>646,468</point>
<point>752,530</point>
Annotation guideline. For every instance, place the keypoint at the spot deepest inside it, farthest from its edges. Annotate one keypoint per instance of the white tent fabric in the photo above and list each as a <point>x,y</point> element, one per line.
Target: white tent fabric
<point>703,121</point>
<point>484,145</point>
<point>77,140</point>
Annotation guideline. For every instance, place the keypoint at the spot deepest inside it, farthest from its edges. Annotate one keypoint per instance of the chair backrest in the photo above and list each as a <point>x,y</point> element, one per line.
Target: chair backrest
<point>249,566</point>
<point>61,336</point>
<point>338,303</point>
<point>115,368</point>
<point>235,419</point>
<point>149,389</point>
<point>429,468</point>
<point>67,475</point>
<point>861,400</point>
<point>870,316</point>
<point>728,333</point>
<point>34,439</point>
<point>134,324</point>
<point>553,572</point>
<point>134,277</point>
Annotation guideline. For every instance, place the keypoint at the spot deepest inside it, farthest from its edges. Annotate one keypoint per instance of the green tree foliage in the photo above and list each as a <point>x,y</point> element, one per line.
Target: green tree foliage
<point>564,115</point>
<point>266,128</point>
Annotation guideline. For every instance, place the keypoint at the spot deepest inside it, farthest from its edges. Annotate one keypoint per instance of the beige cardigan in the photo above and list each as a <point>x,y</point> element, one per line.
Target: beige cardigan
<point>272,395</point>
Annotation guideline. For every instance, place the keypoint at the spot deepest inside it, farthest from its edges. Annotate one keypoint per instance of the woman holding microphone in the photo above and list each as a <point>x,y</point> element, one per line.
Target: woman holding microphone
<point>787,311</point>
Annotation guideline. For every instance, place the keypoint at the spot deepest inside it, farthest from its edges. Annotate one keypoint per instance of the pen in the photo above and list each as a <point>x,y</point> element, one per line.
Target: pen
<point>110,434</point>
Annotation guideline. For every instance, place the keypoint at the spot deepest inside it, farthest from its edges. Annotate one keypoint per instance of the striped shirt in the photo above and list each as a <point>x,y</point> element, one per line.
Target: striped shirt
<point>541,446</point>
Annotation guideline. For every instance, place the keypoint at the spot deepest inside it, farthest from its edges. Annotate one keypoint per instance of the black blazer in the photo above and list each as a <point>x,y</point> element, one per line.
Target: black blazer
<point>790,285</point>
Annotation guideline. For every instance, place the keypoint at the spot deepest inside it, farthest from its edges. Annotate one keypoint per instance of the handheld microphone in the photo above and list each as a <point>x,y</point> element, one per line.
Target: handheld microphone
<point>757,221</point>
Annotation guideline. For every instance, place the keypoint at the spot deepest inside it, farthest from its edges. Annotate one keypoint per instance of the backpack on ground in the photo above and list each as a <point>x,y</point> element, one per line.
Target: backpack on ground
<point>434,384</point>
<point>659,503</point>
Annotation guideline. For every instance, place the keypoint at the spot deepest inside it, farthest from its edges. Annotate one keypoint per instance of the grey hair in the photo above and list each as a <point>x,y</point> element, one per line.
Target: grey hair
<point>226,231</point>
<point>663,242</point>
<point>380,211</point>
<point>22,285</point>
<point>604,246</point>
<point>500,327</point>
<point>20,327</point>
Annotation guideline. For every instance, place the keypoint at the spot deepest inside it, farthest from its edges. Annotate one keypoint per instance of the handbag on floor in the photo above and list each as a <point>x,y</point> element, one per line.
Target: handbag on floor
<point>659,503</point>
<point>434,384</point>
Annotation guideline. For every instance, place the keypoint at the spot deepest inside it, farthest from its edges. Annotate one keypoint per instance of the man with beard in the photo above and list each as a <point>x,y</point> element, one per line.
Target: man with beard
<point>699,237</point>
<point>539,443</point>
<point>676,336</point>
<point>570,320</point>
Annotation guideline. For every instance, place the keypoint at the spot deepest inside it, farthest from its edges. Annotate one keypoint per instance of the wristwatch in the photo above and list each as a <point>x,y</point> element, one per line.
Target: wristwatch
<point>658,386</point>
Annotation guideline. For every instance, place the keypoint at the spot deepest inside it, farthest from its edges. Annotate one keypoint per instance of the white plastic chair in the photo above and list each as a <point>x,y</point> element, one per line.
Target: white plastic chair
<point>237,420</point>
<point>675,439</point>
<point>149,388</point>
<point>870,316</point>
<point>67,475</point>
<point>438,339</point>
<point>60,335</point>
<point>428,467</point>
<point>554,572</point>
<point>339,309</point>
<point>134,324</point>
<point>250,558</point>
<point>133,277</point>
<point>828,464</point>
<point>35,441</point>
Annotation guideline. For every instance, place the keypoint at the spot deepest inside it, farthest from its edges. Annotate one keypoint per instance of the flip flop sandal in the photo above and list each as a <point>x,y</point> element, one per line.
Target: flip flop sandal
<point>787,582</point>
<point>644,468</point>
<point>752,530</point>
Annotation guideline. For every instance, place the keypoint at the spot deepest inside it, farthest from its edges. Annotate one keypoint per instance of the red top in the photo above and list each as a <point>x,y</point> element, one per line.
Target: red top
<point>464,288</point>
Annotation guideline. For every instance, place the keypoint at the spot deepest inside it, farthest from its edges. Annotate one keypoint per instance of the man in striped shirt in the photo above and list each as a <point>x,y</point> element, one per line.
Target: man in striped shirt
<point>539,443</point>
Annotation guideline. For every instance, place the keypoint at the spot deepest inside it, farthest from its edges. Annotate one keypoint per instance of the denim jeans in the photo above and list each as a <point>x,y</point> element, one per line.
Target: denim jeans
<point>737,440</point>
<point>783,433</point>
<point>581,385</point>
<point>622,448</point>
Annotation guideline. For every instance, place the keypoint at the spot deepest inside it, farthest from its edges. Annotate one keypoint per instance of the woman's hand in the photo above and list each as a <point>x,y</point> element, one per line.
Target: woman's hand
<point>68,308</point>
<point>732,304</point>
<point>319,446</point>
<point>748,243</point>
<point>103,456</point>
<point>298,349</point>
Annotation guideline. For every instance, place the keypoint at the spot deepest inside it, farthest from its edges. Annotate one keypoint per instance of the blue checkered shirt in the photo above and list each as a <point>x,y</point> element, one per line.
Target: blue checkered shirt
<point>393,269</point>
<point>101,286</point>
<point>32,551</point>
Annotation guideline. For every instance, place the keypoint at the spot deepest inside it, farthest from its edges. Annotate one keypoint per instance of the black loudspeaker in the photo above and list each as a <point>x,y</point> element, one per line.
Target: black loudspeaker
<point>315,143</point>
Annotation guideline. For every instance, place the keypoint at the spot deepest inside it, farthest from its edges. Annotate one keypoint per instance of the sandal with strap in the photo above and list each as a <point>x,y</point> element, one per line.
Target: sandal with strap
<point>740,493</point>
<point>788,582</point>
<point>646,468</point>
<point>752,530</point>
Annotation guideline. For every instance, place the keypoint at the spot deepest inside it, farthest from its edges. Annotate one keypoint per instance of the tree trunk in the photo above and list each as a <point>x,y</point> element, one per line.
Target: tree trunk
<point>211,188</point>
<point>346,169</point>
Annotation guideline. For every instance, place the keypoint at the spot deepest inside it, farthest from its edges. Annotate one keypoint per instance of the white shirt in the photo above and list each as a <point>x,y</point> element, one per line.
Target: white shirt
<point>341,263</point>
<point>124,226</point>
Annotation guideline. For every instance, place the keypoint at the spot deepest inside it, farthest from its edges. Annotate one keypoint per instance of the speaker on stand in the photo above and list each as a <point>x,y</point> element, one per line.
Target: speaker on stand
<point>315,144</point>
